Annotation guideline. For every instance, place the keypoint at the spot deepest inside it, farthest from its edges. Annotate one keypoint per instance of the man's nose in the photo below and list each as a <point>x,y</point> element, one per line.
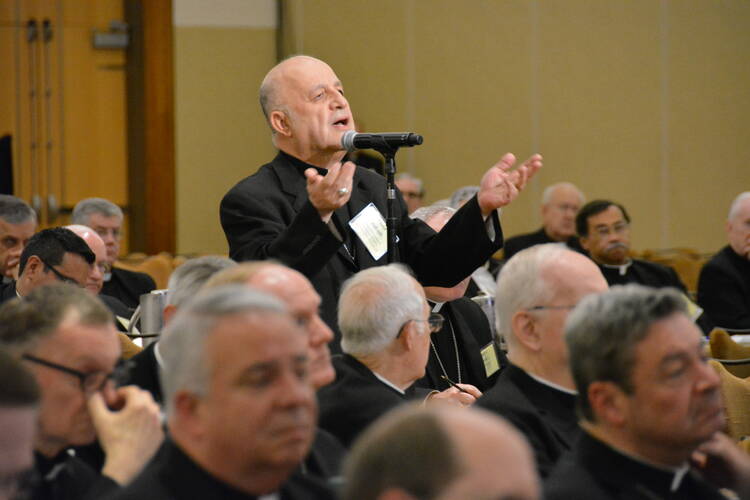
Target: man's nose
<point>320,333</point>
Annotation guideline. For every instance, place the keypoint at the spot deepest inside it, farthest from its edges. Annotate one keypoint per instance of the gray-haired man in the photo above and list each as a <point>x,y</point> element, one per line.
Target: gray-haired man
<point>648,399</point>
<point>17,224</point>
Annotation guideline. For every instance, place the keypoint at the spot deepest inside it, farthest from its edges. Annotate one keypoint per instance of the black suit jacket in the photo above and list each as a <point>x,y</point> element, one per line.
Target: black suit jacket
<point>645,273</point>
<point>172,475</point>
<point>269,215</point>
<point>144,372</point>
<point>724,289</point>
<point>473,333</point>
<point>594,471</point>
<point>354,400</point>
<point>7,291</point>
<point>128,286</point>
<point>523,241</point>
<point>545,415</point>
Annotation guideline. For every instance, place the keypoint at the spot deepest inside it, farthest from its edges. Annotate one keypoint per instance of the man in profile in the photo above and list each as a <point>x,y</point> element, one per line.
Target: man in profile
<point>724,283</point>
<point>240,406</point>
<point>66,337</point>
<point>327,219</point>
<point>647,397</point>
<point>536,290</point>
<point>385,324</point>
<point>560,203</point>
<point>106,218</point>
<point>17,224</point>
<point>52,255</point>
<point>440,453</point>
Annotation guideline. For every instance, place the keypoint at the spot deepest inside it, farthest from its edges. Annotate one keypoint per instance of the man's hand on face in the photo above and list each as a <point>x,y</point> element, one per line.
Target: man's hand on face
<point>724,464</point>
<point>332,191</point>
<point>456,397</point>
<point>500,185</point>
<point>130,433</point>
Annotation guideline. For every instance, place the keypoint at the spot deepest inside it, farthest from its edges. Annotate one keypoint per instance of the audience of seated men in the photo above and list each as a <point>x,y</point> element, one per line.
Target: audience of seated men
<point>67,339</point>
<point>19,402</point>
<point>647,396</point>
<point>462,350</point>
<point>724,283</point>
<point>51,255</point>
<point>537,288</point>
<point>17,224</point>
<point>240,404</point>
<point>106,218</point>
<point>441,453</point>
<point>385,324</point>
<point>560,203</point>
<point>184,283</point>
<point>303,303</point>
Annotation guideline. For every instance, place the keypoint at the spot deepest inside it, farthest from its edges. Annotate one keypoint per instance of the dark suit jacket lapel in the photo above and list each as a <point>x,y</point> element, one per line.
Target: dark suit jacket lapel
<point>467,343</point>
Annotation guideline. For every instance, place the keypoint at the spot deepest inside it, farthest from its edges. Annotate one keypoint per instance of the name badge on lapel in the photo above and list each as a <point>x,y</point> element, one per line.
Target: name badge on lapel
<point>489,358</point>
<point>369,226</point>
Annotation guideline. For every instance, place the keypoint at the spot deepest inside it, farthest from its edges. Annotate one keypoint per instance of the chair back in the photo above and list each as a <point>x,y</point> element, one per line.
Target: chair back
<point>735,395</point>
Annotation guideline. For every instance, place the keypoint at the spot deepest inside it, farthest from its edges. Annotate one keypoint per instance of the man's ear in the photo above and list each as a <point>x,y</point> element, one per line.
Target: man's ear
<point>280,123</point>
<point>34,266</point>
<point>408,338</point>
<point>525,330</point>
<point>189,412</point>
<point>584,241</point>
<point>608,402</point>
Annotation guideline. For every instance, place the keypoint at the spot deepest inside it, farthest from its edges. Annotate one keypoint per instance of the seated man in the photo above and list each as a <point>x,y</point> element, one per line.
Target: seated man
<point>440,453</point>
<point>240,405</point>
<point>463,349</point>
<point>184,283</point>
<point>647,397</point>
<point>17,225</point>
<point>385,323</point>
<point>536,290</point>
<point>604,230</point>
<point>68,340</point>
<point>560,203</point>
<point>724,283</point>
<point>19,400</point>
<point>411,189</point>
<point>52,255</point>
<point>105,218</point>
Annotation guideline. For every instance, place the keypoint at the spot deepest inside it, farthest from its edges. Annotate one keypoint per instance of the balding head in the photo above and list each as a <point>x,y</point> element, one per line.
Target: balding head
<point>441,453</point>
<point>299,296</point>
<point>304,104</point>
<point>536,290</point>
<point>95,242</point>
<point>560,203</point>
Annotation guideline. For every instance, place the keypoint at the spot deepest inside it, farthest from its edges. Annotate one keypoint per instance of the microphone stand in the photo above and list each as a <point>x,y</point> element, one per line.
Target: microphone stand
<point>390,205</point>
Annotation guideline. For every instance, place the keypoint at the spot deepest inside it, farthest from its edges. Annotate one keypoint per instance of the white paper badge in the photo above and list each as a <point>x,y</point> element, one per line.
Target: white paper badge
<point>369,226</point>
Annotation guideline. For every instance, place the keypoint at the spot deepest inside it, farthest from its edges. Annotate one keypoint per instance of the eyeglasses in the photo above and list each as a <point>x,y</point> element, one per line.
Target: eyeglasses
<point>435,322</point>
<point>107,231</point>
<point>90,382</point>
<point>604,231</point>
<point>412,194</point>
<point>60,276</point>
<point>545,308</point>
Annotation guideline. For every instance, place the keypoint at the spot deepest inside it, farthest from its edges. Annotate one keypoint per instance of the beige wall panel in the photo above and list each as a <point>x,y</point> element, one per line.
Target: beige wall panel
<point>221,136</point>
<point>709,106</point>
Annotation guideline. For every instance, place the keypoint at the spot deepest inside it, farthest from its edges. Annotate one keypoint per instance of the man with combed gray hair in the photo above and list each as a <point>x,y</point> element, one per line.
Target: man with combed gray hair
<point>724,283</point>
<point>184,284</point>
<point>440,453</point>
<point>560,203</point>
<point>647,398</point>
<point>385,323</point>
<point>536,290</point>
<point>17,224</point>
<point>240,405</point>
<point>412,189</point>
<point>106,218</point>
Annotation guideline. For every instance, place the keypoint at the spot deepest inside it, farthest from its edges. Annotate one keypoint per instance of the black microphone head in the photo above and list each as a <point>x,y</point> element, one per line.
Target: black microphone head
<point>415,139</point>
<point>347,140</point>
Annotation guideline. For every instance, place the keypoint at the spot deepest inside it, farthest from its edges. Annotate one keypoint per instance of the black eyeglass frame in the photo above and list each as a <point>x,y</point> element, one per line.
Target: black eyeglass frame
<point>60,276</point>
<point>435,322</point>
<point>115,376</point>
<point>545,308</point>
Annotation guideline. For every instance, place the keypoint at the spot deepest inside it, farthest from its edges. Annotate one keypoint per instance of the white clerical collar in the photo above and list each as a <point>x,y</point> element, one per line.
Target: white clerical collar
<point>157,355</point>
<point>270,496</point>
<point>438,305</point>
<point>388,383</point>
<point>552,384</point>
<point>622,268</point>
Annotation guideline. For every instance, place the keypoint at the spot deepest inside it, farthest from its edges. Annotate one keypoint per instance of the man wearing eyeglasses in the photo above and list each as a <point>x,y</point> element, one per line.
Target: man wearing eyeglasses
<point>52,255</point>
<point>385,324</point>
<point>17,224</point>
<point>67,339</point>
<point>536,290</point>
<point>604,230</point>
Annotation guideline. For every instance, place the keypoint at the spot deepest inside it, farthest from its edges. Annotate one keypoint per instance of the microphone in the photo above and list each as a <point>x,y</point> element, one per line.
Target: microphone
<point>386,142</point>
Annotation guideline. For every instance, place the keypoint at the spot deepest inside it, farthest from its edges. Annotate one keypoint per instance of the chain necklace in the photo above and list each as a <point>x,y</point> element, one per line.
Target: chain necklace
<point>455,347</point>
